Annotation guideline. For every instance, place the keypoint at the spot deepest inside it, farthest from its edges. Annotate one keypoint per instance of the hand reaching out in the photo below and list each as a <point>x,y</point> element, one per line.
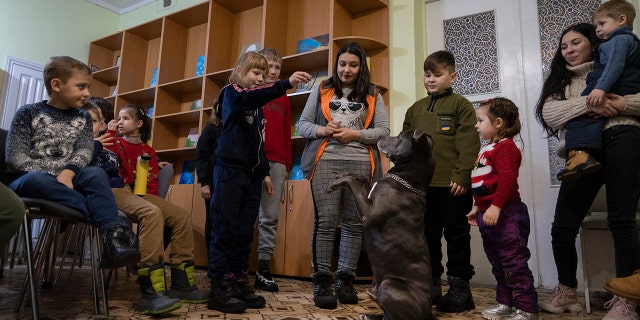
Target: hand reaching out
<point>106,140</point>
<point>299,77</point>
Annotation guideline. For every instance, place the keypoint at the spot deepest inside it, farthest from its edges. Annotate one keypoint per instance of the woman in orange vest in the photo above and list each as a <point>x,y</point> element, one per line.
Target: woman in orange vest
<point>343,120</point>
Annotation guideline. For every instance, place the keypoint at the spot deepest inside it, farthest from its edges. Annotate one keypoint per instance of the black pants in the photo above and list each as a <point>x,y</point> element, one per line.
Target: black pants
<point>621,174</point>
<point>446,215</point>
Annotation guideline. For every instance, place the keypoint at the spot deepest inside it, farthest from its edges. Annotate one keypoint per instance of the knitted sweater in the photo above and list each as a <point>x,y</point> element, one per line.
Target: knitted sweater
<point>45,138</point>
<point>128,154</point>
<point>558,112</point>
<point>450,119</point>
<point>495,176</point>
<point>107,160</point>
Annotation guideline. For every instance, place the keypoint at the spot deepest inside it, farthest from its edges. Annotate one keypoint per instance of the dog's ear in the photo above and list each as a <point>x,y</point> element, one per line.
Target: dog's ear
<point>419,134</point>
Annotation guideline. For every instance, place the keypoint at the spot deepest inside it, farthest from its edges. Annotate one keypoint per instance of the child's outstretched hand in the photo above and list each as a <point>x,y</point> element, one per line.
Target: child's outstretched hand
<point>106,140</point>
<point>472,216</point>
<point>299,77</point>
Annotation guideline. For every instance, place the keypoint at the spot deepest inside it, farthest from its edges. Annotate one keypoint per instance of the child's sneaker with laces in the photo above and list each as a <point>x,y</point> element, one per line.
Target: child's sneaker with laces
<point>620,309</point>
<point>562,298</point>
<point>264,281</point>
<point>496,312</point>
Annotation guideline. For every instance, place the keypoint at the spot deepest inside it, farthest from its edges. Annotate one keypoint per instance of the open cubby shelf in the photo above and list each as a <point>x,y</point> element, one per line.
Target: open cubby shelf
<point>188,55</point>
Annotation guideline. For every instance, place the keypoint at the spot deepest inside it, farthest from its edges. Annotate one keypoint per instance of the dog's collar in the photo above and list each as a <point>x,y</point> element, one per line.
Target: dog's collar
<point>405,183</point>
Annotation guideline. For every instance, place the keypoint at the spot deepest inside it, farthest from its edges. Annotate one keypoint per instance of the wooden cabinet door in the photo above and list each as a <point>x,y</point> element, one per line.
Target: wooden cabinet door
<point>299,224</point>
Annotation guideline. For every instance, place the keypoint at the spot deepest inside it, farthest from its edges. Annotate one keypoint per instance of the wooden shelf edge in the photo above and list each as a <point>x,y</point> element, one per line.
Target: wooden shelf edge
<point>368,44</point>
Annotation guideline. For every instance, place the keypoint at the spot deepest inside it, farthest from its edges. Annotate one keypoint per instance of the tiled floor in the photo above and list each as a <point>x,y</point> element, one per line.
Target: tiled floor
<point>70,298</point>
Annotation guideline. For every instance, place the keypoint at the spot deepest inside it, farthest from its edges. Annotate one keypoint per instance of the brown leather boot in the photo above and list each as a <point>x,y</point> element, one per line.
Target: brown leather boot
<point>627,287</point>
<point>579,162</point>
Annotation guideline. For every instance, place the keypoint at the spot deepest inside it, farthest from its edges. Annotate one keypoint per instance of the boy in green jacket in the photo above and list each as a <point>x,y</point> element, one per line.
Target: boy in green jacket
<point>450,119</point>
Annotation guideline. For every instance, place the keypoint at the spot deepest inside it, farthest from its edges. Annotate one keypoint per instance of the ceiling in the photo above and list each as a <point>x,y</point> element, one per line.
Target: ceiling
<point>121,6</point>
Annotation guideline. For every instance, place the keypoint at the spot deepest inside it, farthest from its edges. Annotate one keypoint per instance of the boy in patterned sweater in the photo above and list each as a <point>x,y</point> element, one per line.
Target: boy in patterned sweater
<point>49,148</point>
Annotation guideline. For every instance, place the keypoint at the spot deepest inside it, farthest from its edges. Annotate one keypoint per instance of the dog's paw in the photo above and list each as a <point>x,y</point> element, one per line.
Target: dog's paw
<point>371,317</point>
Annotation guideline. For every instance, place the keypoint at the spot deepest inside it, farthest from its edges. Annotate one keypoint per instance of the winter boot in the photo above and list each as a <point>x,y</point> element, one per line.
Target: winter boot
<point>344,288</point>
<point>458,298</point>
<point>562,298</point>
<point>579,162</point>
<point>323,296</point>
<point>183,284</point>
<point>244,292</point>
<point>221,297</point>
<point>120,248</point>
<point>436,290</point>
<point>152,286</point>
<point>627,287</point>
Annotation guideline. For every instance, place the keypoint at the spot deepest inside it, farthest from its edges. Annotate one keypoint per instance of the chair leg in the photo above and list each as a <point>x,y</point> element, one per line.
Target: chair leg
<point>585,273</point>
<point>97,273</point>
<point>37,256</point>
<point>30,273</point>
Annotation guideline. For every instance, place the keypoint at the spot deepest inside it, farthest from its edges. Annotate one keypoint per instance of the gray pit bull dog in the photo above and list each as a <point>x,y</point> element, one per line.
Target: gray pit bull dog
<point>392,213</point>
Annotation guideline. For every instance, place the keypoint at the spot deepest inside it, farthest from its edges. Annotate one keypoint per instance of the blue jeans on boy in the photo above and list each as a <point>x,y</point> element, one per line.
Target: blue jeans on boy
<point>91,195</point>
<point>234,210</point>
<point>506,247</point>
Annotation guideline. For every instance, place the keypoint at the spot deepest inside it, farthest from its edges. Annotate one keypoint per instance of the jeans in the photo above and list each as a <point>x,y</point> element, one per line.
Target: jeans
<point>446,214</point>
<point>621,174</point>
<point>91,195</point>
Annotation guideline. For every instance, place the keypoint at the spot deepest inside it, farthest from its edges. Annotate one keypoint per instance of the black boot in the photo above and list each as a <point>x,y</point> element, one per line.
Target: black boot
<point>458,298</point>
<point>120,248</point>
<point>323,296</point>
<point>183,284</point>
<point>244,292</point>
<point>152,286</point>
<point>344,288</point>
<point>221,297</point>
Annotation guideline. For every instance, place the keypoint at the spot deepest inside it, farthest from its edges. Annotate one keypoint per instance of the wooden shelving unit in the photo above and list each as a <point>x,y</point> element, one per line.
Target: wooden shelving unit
<point>154,64</point>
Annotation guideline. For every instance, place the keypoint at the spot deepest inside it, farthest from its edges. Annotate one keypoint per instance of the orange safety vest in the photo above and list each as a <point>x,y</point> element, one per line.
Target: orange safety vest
<point>325,98</point>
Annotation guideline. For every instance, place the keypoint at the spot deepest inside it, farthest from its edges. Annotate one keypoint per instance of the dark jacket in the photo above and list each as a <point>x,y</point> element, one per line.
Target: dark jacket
<point>205,153</point>
<point>241,143</point>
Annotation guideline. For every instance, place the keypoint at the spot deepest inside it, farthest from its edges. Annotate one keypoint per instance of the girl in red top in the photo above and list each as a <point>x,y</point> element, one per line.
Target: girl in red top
<point>153,214</point>
<point>499,213</point>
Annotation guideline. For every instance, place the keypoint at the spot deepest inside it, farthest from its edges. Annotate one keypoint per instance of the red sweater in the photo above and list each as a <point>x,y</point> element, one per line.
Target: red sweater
<point>494,180</point>
<point>277,144</point>
<point>128,154</point>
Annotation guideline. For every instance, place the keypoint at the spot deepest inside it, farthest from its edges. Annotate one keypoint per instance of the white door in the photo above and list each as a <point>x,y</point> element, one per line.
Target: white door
<point>24,84</point>
<point>502,48</point>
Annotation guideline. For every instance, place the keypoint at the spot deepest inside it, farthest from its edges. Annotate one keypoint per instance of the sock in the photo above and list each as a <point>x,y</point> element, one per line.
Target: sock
<point>263,265</point>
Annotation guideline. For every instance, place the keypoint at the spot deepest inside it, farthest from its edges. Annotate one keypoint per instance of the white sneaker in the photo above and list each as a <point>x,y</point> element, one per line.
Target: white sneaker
<point>521,315</point>
<point>620,309</point>
<point>496,312</point>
